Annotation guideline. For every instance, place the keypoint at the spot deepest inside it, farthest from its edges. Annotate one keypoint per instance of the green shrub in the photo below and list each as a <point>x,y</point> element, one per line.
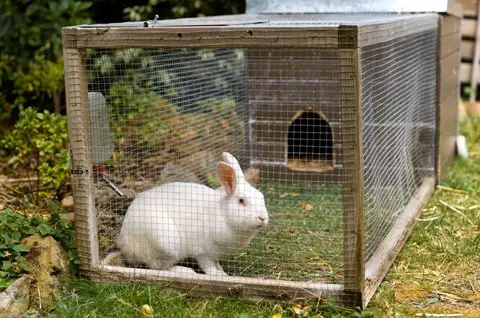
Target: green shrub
<point>39,144</point>
<point>15,226</point>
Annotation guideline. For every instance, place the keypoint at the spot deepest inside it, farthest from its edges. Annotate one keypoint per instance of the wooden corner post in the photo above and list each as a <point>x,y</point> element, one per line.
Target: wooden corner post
<point>351,113</point>
<point>76,92</point>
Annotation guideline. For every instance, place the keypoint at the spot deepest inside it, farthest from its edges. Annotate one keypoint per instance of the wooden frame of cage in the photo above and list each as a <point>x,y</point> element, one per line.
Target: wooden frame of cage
<point>448,90</point>
<point>360,279</point>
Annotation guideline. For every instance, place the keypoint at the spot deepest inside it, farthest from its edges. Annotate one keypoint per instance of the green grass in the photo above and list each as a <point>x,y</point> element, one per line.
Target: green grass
<point>304,239</point>
<point>84,299</point>
<point>5,282</point>
<point>87,300</point>
<point>438,270</point>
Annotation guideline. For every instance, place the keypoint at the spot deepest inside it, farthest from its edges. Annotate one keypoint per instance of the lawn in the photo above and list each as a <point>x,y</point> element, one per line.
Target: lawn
<point>438,270</point>
<point>304,239</point>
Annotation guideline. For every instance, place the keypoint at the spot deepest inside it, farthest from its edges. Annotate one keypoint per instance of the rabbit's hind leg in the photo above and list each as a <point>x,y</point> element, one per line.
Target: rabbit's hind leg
<point>157,257</point>
<point>210,266</point>
<point>160,263</point>
<point>182,270</point>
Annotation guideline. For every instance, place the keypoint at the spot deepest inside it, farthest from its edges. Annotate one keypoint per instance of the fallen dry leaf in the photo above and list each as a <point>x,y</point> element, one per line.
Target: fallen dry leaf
<point>147,310</point>
<point>292,230</point>
<point>296,309</point>
<point>284,195</point>
<point>307,206</point>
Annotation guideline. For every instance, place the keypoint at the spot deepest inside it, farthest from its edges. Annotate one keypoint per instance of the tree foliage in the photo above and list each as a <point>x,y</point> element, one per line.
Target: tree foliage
<point>31,64</point>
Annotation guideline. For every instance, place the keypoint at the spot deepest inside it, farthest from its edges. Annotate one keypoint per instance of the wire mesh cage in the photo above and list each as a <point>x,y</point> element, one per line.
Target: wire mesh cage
<point>251,155</point>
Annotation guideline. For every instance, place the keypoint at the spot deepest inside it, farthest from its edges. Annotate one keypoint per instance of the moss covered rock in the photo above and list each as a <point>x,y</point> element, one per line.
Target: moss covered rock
<point>48,264</point>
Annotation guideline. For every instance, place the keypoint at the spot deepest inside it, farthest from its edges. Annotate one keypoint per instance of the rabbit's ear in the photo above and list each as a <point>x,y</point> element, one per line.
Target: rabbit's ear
<point>229,158</point>
<point>227,177</point>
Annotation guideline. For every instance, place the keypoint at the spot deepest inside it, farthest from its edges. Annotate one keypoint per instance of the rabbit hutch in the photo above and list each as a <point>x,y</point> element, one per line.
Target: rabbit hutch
<point>332,117</point>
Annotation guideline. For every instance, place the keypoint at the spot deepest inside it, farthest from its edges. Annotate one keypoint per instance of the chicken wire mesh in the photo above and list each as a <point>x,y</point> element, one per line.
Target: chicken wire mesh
<point>399,114</point>
<point>170,114</point>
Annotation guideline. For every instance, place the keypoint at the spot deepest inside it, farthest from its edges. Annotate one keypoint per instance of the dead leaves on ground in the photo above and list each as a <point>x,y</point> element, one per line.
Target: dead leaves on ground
<point>285,195</point>
<point>146,310</point>
<point>307,206</point>
<point>301,311</point>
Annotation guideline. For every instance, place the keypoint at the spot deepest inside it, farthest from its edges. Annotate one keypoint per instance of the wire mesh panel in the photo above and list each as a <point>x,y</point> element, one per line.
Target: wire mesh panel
<point>294,106</point>
<point>168,117</point>
<point>399,113</point>
<point>171,114</point>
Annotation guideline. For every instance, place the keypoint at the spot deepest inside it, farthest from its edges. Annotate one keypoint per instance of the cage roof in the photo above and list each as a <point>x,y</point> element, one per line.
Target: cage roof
<point>271,20</point>
<point>354,6</point>
<point>253,30</point>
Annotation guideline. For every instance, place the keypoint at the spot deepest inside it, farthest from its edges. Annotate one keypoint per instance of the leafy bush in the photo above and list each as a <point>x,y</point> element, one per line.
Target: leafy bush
<point>39,146</point>
<point>15,226</point>
<point>31,64</point>
<point>63,231</point>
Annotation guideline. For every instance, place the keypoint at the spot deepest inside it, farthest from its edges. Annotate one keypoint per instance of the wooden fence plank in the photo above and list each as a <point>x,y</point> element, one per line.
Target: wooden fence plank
<point>467,48</point>
<point>469,27</point>
<point>469,7</point>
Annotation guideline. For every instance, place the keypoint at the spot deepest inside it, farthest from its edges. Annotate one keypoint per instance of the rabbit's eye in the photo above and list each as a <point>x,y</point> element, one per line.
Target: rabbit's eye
<point>242,201</point>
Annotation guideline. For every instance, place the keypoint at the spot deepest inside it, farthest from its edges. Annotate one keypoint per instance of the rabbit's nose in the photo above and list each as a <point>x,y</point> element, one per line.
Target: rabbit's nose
<point>262,219</point>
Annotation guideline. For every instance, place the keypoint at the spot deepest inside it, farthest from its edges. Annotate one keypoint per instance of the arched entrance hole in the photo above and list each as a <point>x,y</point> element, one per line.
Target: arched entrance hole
<point>310,143</point>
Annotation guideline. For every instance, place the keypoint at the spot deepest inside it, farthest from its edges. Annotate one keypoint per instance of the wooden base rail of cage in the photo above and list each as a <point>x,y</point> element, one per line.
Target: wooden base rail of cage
<point>246,287</point>
<point>387,251</point>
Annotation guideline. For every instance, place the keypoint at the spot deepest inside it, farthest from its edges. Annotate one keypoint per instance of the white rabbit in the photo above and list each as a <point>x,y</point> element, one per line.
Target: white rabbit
<point>169,223</point>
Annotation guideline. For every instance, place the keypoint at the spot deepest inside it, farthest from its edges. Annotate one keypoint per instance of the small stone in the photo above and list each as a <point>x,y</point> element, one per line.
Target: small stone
<point>68,216</point>
<point>67,202</point>
<point>14,301</point>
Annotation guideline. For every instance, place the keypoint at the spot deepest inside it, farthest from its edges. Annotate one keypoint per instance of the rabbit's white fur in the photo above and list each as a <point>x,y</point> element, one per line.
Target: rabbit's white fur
<point>169,223</point>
